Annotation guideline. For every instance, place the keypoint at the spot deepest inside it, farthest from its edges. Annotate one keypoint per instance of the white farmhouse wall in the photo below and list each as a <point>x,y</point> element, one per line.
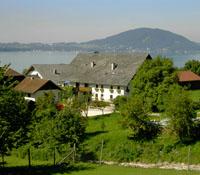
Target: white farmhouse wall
<point>106,92</point>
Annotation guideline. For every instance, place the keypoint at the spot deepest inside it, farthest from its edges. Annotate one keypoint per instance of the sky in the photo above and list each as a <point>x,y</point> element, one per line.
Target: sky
<point>51,21</point>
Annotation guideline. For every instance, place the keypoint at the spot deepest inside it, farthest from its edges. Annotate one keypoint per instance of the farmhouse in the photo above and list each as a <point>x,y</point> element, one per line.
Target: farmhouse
<point>35,87</point>
<point>190,79</point>
<point>104,75</point>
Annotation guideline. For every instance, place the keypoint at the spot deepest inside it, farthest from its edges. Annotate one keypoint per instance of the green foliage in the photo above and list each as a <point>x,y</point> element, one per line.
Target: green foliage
<point>14,116</point>
<point>67,92</point>
<point>136,118</point>
<point>119,101</point>
<point>193,65</point>
<point>69,127</point>
<point>81,103</point>
<point>153,80</point>
<point>52,128</point>
<point>45,107</point>
<point>179,108</point>
<point>118,146</point>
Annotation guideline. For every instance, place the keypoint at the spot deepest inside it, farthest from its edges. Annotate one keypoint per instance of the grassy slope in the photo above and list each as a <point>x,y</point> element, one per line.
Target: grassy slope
<point>117,146</point>
<point>195,94</point>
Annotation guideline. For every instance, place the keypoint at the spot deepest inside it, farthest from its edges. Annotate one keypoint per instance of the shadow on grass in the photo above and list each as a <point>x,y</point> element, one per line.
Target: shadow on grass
<point>93,134</point>
<point>43,169</point>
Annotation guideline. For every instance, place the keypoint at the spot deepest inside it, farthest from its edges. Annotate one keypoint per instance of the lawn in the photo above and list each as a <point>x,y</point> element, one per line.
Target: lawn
<point>18,166</point>
<point>117,170</point>
<point>118,147</point>
<point>195,94</point>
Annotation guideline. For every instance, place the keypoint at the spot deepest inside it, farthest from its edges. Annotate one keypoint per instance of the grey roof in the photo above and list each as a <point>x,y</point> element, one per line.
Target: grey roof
<point>55,72</point>
<point>101,73</point>
<point>80,70</point>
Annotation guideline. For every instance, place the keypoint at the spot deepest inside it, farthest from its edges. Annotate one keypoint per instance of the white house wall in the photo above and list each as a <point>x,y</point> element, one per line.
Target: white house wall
<point>106,92</point>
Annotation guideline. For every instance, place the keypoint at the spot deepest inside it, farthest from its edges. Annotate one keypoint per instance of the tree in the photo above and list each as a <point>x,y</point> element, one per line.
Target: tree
<point>119,101</point>
<point>135,112</point>
<point>179,108</point>
<point>69,127</point>
<point>52,128</point>
<point>193,65</point>
<point>153,80</point>
<point>14,115</point>
<point>81,103</point>
<point>67,92</point>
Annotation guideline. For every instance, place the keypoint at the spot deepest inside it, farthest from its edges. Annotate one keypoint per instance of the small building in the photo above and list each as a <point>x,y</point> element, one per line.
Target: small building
<point>13,75</point>
<point>189,79</point>
<point>57,73</point>
<point>36,87</point>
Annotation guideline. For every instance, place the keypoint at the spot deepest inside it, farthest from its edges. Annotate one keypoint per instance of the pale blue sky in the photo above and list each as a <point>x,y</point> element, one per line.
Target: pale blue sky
<point>82,20</point>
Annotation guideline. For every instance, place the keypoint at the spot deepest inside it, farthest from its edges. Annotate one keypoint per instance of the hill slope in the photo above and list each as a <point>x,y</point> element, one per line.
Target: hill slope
<point>146,39</point>
<point>155,41</point>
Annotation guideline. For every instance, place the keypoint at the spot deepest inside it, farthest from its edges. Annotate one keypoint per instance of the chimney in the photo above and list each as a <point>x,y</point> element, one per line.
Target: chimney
<point>92,64</point>
<point>113,66</point>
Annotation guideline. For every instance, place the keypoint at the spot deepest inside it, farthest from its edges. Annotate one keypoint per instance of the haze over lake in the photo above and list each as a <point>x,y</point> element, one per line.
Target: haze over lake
<point>21,60</point>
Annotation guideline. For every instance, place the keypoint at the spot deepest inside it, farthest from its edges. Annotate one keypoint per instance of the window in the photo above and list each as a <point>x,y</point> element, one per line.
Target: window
<point>111,89</point>
<point>77,84</point>
<point>118,90</point>
<point>96,96</point>
<point>111,97</point>
<point>101,86</point>
<point>101,96</point>
<point>86,85</point>
<point>97,86</point>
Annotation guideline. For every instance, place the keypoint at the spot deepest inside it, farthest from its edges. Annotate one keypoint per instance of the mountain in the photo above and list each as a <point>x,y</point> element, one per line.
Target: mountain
<point>146,39</point>
<point>155,41</point>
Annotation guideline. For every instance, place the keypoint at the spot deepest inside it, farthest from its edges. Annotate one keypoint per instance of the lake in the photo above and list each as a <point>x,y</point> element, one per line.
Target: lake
<point>21,60</point>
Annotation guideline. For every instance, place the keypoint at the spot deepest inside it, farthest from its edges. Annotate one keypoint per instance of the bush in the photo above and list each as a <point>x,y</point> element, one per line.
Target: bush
<point>136,118</point>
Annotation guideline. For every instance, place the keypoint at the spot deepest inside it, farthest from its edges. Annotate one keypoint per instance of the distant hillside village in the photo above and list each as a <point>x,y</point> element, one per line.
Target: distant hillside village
<point>103,75</point>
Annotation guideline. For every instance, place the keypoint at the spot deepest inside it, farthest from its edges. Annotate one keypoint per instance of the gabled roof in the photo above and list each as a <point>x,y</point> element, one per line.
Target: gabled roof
<point>55,72</point>
<point>187,76</point>
<point>12,73</point>
<point>32,85</point>
<point>80,70</point>
<point>125,65</point>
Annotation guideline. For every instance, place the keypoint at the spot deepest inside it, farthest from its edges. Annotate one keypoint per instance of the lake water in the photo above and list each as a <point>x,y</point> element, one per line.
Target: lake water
<point>21,60</point>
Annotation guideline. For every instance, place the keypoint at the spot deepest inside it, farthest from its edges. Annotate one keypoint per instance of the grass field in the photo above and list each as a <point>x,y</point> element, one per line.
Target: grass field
<point>116,170</point>
<point>195,94</point>
<point>118,147</point>
<point>18,166</point>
